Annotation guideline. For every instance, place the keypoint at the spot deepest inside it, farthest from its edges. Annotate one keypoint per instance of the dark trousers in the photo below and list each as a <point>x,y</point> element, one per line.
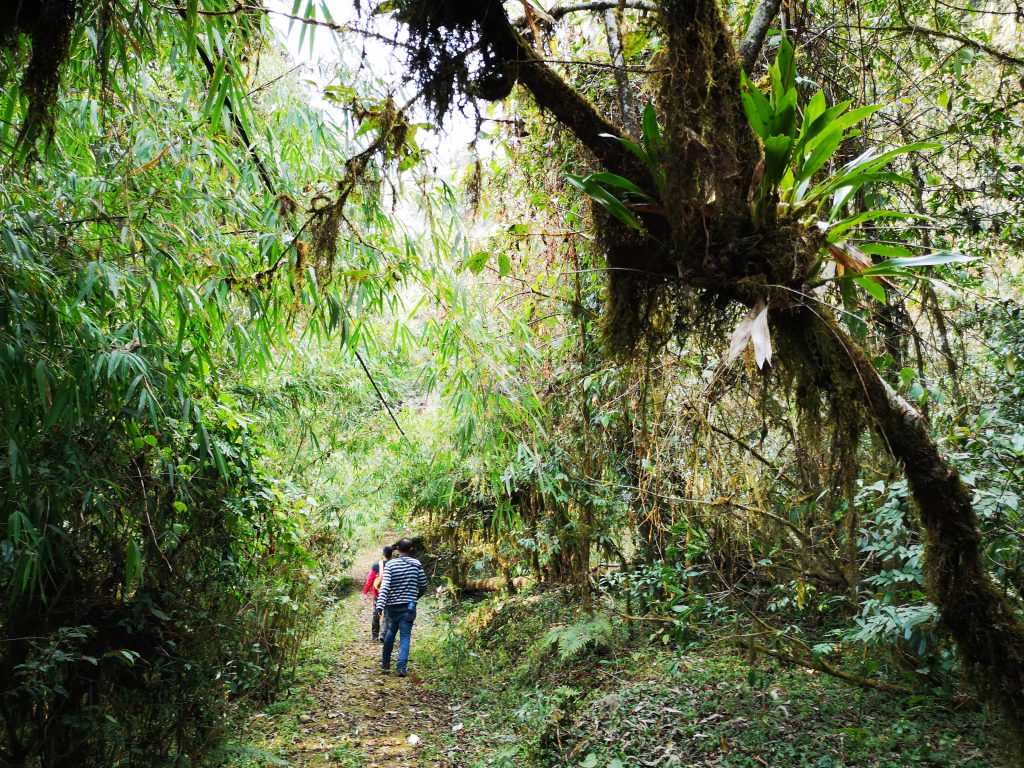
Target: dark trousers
<point>375,625</point>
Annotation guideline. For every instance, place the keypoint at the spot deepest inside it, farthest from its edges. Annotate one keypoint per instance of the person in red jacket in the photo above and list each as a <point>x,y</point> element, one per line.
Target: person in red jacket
<point>372,589</point>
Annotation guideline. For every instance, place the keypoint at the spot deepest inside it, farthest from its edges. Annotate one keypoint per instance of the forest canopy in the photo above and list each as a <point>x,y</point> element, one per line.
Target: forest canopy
<point>714,326</point>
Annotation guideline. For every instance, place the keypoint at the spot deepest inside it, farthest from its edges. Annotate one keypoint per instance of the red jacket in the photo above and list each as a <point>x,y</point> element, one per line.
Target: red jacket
<point>368,588</point>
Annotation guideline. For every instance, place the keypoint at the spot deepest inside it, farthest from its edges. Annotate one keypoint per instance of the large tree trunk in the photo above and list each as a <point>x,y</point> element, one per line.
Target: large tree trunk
<point>984,624</point>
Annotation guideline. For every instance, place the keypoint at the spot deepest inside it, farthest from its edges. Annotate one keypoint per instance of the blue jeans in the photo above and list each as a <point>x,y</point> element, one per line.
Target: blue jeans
<point>400,620</point>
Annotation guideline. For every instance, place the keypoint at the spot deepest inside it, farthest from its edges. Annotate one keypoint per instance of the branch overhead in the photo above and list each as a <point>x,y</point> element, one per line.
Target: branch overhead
<point>753,41</point>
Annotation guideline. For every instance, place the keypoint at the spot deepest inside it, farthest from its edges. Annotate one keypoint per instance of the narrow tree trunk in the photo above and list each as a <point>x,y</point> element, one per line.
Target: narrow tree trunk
<point>626,107</point>
<point>852,548</point>
<point>535,552</point>
<point>589,465</point>
<point>931,301</point>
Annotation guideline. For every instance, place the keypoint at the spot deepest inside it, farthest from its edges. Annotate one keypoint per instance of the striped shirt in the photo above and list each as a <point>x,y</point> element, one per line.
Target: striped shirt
<point>404,581</point>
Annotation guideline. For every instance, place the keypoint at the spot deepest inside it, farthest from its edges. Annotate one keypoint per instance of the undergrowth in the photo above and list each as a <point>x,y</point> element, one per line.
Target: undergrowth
<point>265,735</point>
<point>535,682</point>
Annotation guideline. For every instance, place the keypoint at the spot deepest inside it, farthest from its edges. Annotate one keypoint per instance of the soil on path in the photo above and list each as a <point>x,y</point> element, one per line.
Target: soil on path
<point>359,717</point>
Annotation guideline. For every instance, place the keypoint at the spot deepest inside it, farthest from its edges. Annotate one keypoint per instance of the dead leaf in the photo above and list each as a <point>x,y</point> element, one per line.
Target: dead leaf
<point>849,256</point>
<point>752,328</point>
<point>762,339</point>
<point>151,163</point>
<point>534,8</point>
<point>652,208</point>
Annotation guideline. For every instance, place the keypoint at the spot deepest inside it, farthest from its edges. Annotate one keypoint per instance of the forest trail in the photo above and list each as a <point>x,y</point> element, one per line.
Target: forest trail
<point>357,716</point>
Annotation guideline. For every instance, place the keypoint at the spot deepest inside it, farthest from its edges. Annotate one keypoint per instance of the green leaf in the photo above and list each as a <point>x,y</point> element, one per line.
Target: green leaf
<point>810,128</point>
<point>605,199</point>
<point>13,458</point>
<point>871,160</point>
<point>477,262</point>
<point>615,180</point>
<point>776,156</point>
<point>42,383</point>
<point>651,131</point>
<point>823,150</point>
<point>815,108</point>
<point>876,290</point>
<point>900,266</point>
<point>841,122</point>
<point>784,69</point>
<point>838,230</point>
<point>784,121</point>
<point>504,264</point>
<point>632,146</point>
<point>757,108</point>
<point>132,565</point>
<point>852,184</point>
<point>889,250</point>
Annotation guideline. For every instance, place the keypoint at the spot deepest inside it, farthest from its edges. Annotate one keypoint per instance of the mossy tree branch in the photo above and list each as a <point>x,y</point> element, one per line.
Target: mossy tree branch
<point>573,110</point>
<point>753,42</point>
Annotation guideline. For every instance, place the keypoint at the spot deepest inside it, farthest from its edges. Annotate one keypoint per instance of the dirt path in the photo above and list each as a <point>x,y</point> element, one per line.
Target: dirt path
<point>356,717</point>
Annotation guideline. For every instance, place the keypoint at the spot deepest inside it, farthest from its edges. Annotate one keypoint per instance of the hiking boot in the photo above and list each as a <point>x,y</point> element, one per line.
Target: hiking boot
<point>385,670</point>
<point>402,673</point>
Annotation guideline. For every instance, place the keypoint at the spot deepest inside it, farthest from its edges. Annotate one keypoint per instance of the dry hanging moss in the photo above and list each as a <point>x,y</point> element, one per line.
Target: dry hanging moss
<point>827,392</point>
<point>361,173</point>
<point>47,27</point>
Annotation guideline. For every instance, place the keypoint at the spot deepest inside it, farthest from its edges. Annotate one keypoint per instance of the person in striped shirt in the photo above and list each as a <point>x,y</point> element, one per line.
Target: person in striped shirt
<point>401,588</point>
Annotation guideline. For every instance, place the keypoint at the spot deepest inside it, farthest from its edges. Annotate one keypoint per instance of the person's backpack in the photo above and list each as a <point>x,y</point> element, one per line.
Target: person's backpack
<point>380,576</point>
